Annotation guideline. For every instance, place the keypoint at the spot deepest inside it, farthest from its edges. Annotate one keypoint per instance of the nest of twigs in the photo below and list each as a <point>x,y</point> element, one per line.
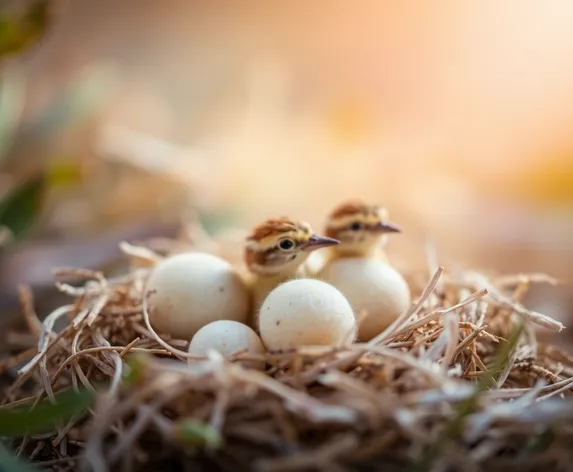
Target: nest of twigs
<point>459,382</point>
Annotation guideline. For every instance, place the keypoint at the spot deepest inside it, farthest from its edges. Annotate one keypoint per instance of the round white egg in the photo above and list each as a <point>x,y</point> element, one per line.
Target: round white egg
<point>188,291</point>
<point>305,312</point>
<point>374,289</point>
<point>228,337</point>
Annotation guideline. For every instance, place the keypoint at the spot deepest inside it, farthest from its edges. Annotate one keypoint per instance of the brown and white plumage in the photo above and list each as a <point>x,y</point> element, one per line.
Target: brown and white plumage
<point>359,268</point>
<point>275,251</point>
<point>361,228</point>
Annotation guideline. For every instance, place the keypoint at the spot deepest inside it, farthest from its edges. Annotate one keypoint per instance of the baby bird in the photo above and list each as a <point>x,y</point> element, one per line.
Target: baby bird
<point>275,252</point>
<point>358,266</point>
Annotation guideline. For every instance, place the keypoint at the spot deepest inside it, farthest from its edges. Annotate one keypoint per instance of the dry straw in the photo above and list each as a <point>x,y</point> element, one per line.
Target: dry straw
<point>430,391</point>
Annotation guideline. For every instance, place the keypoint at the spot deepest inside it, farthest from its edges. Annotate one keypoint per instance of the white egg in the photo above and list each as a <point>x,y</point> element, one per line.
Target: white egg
<point>305,312</point>
<point>228,337</point>
<point>189,291</point>
<point>374,289</point>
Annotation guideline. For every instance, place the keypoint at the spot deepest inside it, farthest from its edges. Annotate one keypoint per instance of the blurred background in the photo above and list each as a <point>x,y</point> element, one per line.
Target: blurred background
<point>456,115</point>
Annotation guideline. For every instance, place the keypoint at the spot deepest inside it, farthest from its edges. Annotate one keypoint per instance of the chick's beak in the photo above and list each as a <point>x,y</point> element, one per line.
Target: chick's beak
<point>317,242</point>
<point>387,227</point>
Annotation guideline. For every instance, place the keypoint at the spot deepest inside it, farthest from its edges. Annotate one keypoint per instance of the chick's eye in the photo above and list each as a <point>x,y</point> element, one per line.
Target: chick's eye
<point>355,226</point>
<point>286,244</point>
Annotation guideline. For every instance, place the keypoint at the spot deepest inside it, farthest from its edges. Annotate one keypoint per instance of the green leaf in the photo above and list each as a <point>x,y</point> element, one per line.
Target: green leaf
<point>23,420</point>
<point>197,433</point>
<point>21,207</point>
<point>135,371</point>
<point>9,462</point>
<point>19,33</point>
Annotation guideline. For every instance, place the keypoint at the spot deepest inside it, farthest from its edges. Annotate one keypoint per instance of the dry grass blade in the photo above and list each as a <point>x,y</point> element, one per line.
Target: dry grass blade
<point>139,254</point>
<point>506,302</point>
<point>414,310</point>
<point>44,338</point>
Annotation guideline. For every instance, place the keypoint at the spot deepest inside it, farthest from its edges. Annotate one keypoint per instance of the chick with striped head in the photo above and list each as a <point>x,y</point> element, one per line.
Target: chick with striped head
<point>361,228</point>
<point>358,266</point>
<point>276,251</point>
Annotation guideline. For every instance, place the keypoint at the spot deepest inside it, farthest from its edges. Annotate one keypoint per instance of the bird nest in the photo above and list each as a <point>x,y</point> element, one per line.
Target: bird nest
<point>459,382</point>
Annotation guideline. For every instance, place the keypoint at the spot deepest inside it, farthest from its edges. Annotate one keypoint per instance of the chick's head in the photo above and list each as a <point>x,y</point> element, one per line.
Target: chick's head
<point>360,227</point>
<point>281,245</point>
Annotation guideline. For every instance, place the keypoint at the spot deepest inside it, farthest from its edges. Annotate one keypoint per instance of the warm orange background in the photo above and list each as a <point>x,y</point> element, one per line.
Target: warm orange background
<point>457,115</point>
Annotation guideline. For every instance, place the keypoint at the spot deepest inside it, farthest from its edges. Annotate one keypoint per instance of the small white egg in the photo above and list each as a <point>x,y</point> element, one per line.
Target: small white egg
<point>374,289</point>
<point>190,290</point>
<point>305,312</point>
<point>228,337</point>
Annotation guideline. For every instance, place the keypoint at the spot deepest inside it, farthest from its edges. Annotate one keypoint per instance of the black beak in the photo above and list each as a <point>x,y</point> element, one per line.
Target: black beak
<point>318,242</point>
<point>386,227</point>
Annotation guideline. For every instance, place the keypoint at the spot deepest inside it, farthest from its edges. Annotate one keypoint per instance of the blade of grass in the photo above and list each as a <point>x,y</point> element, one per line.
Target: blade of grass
<point>22,420</point>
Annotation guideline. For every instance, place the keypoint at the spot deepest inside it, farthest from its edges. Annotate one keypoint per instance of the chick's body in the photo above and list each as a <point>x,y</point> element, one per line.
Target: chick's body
<point>262,286</point>
<point>359,268</point>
